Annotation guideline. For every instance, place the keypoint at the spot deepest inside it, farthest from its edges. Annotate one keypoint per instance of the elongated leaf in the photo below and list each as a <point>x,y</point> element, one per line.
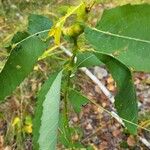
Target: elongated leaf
<point>47,114</point>
<point>124,32</point>
<point>77,100</point>
<point>125,100</point>
<point>29,47</point>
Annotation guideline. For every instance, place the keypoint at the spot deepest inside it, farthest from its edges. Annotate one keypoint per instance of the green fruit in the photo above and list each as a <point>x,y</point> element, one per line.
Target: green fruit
<point>74,30</point>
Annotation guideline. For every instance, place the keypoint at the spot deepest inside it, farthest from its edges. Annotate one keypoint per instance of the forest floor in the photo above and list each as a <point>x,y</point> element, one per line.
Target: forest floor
<point>100,130</point>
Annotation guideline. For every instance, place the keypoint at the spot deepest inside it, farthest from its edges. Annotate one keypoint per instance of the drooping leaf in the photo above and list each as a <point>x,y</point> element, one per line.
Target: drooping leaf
<point>125,100</point>
<point>77,100</point>
<point>47,114</point>
<point>124,32</point>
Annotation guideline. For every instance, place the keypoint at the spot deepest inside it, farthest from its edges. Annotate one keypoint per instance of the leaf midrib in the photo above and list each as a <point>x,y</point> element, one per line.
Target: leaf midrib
<point>95,29</point>
<point>119,36</point>
<point>32,35</point>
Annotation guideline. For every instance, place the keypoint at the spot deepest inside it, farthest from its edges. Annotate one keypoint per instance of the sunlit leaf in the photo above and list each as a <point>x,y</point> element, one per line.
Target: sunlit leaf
<point>47,114</point>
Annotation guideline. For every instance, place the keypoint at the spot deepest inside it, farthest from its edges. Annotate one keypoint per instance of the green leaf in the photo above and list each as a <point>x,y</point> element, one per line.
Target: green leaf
<point>46,119</point>
<point>65,133</point>
<point>124,32</point>
<point>125,100</point>
<point>19,64</point>
<point>38,23</point>
<point>28,48</point>
<point>77,100</point>
<point>18,37</point>
<point>87,59</point>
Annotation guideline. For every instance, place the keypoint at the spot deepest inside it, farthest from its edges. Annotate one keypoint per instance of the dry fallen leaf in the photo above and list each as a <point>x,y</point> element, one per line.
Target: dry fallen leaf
<point>111,87</point>
<point>103,146</point>
<point>1,143</point>
<point>7,148</point>
<point>110,80</point>
<point>116,133</point>
<point>131,141</point>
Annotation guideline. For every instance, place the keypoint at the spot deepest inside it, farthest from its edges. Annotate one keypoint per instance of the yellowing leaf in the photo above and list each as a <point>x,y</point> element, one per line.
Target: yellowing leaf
<point>28,128</point>
<point>56,32</point>
<point>57,35</point>
<point>70,9</point>
<point>16,121</point>
<point>81,13</point>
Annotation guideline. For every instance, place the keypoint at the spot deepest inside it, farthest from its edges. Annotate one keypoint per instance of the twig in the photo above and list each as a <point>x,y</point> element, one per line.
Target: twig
<point>144,141</point>
<point>93,78</point>
<point>106,92</point>
<point>99,83</point>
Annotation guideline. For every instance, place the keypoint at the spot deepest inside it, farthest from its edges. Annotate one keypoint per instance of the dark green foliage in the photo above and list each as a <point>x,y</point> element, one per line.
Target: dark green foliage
<point>38,23</point>
<point>87,59</point>
<point>125,100</point>
<point>19,64</point>
<point>124,32</point>
<point>77,100</point>
<point>27,48</point>
<point>18,37</point>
